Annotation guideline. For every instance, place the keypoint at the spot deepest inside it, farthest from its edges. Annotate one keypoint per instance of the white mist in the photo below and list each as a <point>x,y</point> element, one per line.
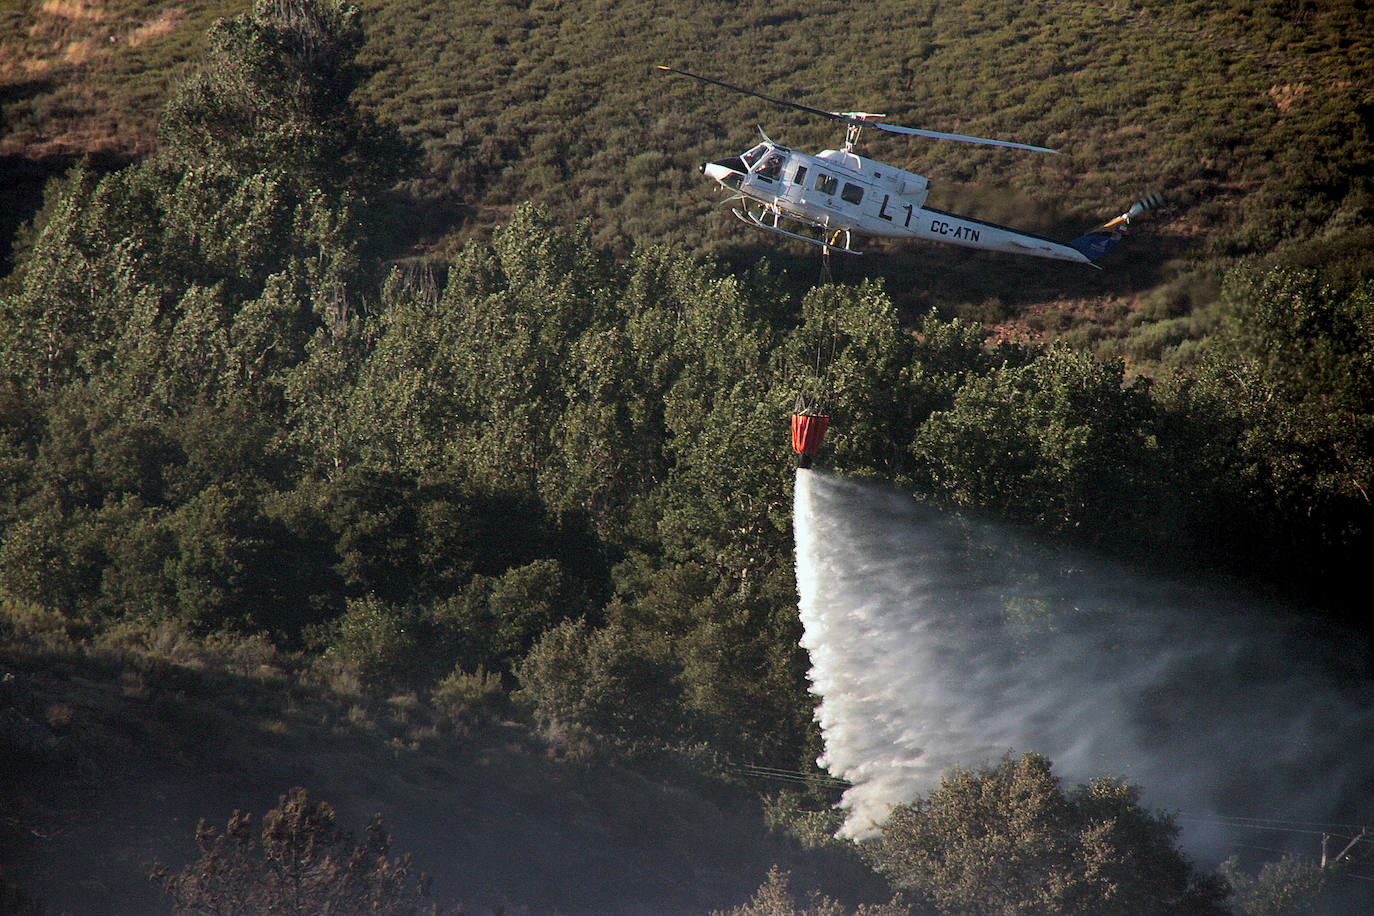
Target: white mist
<point>939,641</point>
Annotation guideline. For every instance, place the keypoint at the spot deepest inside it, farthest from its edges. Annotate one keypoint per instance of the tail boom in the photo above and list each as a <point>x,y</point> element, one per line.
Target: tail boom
<point>1101,240</point>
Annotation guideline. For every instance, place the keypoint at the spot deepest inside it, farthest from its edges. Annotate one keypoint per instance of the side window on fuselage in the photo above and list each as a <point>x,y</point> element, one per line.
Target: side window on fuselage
<point>799,176</point>
<point>826,184</point>
<point>852,193</point>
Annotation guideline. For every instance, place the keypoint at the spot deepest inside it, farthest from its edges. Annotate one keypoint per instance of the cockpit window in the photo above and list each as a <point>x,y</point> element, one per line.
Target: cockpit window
<point>753,155</point>
<point>772,166</point>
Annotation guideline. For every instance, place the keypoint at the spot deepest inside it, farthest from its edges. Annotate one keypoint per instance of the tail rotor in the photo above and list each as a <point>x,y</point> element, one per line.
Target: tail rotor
<point>1101,240</point>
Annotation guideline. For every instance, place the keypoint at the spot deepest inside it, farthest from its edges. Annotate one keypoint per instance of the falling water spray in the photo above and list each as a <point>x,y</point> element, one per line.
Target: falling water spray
<point>937,641</point>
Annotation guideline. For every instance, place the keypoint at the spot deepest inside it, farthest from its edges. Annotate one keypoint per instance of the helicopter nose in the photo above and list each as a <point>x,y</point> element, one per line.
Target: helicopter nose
<point>720,172</point>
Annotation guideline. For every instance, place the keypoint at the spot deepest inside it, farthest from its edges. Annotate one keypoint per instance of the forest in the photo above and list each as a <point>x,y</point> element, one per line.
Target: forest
<point>385,380</point>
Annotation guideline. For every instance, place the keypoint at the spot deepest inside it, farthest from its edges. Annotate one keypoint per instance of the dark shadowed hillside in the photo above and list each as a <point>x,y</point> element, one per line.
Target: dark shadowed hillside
<point>113,757</point>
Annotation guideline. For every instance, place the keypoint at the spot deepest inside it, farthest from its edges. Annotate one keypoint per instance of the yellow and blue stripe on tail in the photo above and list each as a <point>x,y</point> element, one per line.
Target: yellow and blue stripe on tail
<point>1102,239</point>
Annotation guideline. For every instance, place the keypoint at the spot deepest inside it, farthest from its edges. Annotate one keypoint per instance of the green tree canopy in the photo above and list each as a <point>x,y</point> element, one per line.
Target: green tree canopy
<point>275,94</point>
<point>1008,839</point>
<point>1271,435</point>
<point>1061,441</point>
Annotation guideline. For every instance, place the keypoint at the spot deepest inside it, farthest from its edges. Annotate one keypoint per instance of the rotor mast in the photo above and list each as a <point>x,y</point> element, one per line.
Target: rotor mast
<point>854,125</point>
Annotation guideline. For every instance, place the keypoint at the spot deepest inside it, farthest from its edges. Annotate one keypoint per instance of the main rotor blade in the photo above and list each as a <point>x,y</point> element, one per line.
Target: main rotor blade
<point>895,129</point>
<point>851,118</point>
<point>759,95</point>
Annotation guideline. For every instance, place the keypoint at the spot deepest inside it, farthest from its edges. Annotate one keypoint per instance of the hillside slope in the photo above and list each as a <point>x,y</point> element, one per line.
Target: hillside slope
<point>1254,122</point>
<point>123,749</point>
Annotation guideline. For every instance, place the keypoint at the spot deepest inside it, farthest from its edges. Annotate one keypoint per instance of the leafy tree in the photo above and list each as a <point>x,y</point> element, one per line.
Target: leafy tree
<point>372,522</point>
<point>318,389</point>
<point>851,350</point>
<point>230,245</point>
<point>37,563</point>
<point>1298,351</point>
<point>775,898</point>
<point>140,548</point>
<point>500,617</point>
<point>1008,839</point>
<point>1286,887</point>
<point>1272,433</point>
<point>55,303</point>
<point>225,553</point>
<point>299,862</point>
<point>601,680</point>
<point>18,422</point>
<point>946,355</point>
<point>275,92</point>
<point>481,379</point>
<point>159,322</point>
<point>742,675</point>
<point>1060,440</point>
<point>374,642</point>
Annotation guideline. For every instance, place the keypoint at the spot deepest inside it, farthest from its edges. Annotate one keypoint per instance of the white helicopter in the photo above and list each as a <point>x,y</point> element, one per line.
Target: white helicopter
<point>841,194</point>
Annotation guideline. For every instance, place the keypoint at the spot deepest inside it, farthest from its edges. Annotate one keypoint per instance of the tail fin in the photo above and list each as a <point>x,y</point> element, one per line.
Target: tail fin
<point>1102,239</point>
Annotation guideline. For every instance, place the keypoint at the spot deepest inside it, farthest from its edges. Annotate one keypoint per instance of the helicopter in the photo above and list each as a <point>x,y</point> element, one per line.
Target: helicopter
<point>840,194</point>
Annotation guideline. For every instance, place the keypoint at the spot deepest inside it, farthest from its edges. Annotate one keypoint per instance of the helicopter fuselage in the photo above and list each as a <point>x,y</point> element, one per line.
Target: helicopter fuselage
<point>842,193</point>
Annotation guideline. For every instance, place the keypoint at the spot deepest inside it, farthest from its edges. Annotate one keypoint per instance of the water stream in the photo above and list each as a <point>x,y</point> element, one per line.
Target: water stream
<point>939,640</point>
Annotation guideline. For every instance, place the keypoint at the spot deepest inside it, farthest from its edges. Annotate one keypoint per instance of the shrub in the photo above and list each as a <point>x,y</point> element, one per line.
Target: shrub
<point>1009,840</point>
<point>299,862</point>
<point>597,679</point>
<point>463,700</point>
<point>373,642</point>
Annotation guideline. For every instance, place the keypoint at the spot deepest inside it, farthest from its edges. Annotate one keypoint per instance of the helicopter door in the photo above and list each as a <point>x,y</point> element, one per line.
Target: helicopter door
<point>795,177</point>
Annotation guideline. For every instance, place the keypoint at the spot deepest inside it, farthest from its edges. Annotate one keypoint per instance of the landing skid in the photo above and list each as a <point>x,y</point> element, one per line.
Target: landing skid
<point>758,222</point>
